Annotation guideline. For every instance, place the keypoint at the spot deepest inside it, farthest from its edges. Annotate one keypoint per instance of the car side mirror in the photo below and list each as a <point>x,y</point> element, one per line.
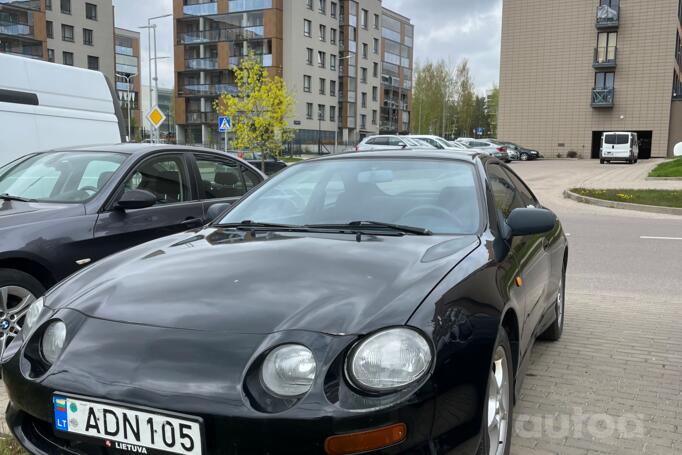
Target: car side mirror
<point>216,210</point>
<point>136,199</point>
<point>530,221</point>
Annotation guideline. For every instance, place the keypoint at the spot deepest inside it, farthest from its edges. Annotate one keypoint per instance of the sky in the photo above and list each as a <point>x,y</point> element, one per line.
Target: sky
<point>447,30</point>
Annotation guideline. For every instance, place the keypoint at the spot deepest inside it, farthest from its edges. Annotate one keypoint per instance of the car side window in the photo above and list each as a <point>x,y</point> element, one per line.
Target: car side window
<point>250,178</point>
<point>380,141</point>
<point>395,142</point>
<point>528,198</point>
<point>371,141</point>
<point>219,179</point>
<point>164,176</point>
<point>507,197</point>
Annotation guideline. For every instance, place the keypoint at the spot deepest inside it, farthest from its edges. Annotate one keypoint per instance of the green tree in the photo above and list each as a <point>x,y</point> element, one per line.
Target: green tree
<point>260,111</point>
<point>465,99</point>
<point>432,106</point>
<point>492,106</point>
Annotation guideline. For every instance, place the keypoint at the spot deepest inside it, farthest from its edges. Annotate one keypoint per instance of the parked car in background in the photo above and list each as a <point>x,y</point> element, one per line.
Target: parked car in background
<point>513,154</point>
<point>434,141</point>
<point>65,209</point>
<point>459,145</point>
<point>619,146</point>
<point>351,304</point>
<point>525,154</point>
<point>272,164</point>
<point>486,146</point>
<point>34,116</point>
<point>389,142</point>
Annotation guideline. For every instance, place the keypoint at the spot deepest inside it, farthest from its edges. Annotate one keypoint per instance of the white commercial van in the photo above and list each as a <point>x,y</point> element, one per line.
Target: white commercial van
<point>45,106</point>
<point>619,146</point>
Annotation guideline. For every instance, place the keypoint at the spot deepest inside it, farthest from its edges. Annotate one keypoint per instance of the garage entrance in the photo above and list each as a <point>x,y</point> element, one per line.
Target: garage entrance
<point>645,140</point>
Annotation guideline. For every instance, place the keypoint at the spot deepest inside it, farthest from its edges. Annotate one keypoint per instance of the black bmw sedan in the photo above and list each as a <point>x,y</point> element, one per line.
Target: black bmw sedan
<point>65,209</point>
<point>382,302</point>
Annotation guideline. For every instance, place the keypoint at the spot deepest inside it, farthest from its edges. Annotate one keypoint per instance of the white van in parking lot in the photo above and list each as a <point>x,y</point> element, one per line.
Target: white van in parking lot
<point>46,106</point>
<point>619,146</point>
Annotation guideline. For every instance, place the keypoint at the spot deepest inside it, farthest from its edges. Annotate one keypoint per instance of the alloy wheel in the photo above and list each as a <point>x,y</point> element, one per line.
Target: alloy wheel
<point>524,157</point>
<point>560,304</point>
<point>14,303</point>
<point>498,403</point>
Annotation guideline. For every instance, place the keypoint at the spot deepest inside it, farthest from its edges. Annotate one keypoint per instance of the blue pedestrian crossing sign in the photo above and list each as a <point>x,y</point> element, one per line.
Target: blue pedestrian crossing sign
<point>224,124</point>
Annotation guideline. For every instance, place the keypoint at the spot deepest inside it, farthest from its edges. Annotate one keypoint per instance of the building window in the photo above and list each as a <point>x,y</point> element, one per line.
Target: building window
<point>375,70</point>
<point>332,62</point>
<point>363,18</point>
<point>332,88</point>
<point>363,75</point>
<point>93,63</point>
<point>332,113</point>
<point>363,121</point>
<point>307,26</point>
<point>306,84</point>
<point>87,37</point>
<point>332,37</point>
<point>376,46</point>
<point>376,21</point>
<point>49,26</point>
<point>321,59</point>
<point>48,5</point>
<point>364,100</point>
<point>321,110</point>
<point>309,4</point>
<point>365,50</point>
<point>606,47</point>
<point>604,80</point>
<point>375,94</point>
<point>323,33</point>
<point>66,6</point>
<point>309,56</point>
<point>50,55</point>
<point>374,117</point>
<point>333,9</point>
<point>91,11</point>
<point>67,33</point>
<point>67,58</point>
<point>323,6</point>
<point>323,86</point>
<point>309,111</point>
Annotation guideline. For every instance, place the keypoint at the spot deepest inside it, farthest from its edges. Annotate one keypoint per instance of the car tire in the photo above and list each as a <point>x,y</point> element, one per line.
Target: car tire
<point>554,331</point>
<point>602,161</point>
<point>21,290</point>
<point>500,383</point>
<point>524,157</point>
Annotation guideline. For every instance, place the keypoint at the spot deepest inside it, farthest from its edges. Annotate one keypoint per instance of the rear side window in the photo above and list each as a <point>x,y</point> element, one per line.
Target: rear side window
<point>394,141</point>
<point>616,139</point>
<point>380,141</point>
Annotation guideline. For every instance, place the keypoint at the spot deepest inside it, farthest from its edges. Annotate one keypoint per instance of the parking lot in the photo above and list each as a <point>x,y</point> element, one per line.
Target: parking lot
<point>613,384</point>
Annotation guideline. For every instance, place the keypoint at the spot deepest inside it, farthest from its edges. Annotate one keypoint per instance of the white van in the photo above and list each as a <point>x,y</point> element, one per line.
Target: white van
<point>46,106</point>
<point>619,146</point>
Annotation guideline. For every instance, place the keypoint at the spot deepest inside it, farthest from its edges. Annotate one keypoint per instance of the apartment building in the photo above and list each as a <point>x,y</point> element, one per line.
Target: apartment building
<point>81,33</point>
<point>128,83</point>
<point>22,28</point>
<point>329,53</point>
<point>166,102</point>
<point>396,72</point>
<point>573,70</point>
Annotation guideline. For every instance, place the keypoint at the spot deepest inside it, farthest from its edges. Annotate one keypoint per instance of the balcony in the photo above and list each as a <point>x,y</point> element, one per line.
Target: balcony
<point>608,17</point>
<point>23,4</point>
<point>198,118</point>
<point>222,35</point>
<point>602,97</point>
<point>605,57</point>
<point>202,64</point>
<point>264,60</point>
<point>207,89</point>
<point>15,29</point>
<point>200,8</point>
<point>236,6</point>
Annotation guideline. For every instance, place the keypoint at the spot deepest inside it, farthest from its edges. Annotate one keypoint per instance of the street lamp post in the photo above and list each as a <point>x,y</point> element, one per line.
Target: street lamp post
<point>152,98</point>
<point>128,79</point>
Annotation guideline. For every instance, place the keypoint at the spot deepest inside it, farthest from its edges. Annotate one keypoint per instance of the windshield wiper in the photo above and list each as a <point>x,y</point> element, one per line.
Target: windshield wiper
<point>9,197</point>
<point>376,224</point>
<point>248,224</point>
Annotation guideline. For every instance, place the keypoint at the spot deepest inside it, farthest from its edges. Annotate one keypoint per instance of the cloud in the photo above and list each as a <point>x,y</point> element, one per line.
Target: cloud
<point>444,30</point>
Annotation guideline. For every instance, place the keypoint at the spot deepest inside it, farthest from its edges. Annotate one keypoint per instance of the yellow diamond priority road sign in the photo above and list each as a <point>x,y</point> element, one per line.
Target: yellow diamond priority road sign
<point>156,117</point>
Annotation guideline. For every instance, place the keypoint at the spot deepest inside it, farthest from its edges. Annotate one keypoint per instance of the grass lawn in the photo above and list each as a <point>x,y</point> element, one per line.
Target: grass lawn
<point>661,198</point>
<point>668,169</point>
<point>9,446</point>
<point>288,159</point>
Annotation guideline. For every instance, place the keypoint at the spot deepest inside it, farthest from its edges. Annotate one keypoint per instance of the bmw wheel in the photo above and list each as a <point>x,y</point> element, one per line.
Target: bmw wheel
<point>524,157</point>
<point>18,290</point>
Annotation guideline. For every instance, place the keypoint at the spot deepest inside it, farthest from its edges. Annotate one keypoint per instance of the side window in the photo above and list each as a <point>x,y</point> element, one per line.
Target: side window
<point>381,141</point>
<point>525,194</point>
<point>219,179</point>
<point>250,178</point>
<point>507,198</point>
<point>165,177</point>
<point>395,142</point>
<point>371,141</point>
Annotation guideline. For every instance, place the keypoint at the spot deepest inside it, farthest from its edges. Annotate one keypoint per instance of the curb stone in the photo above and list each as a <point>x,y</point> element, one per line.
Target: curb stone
<point>622,205</point>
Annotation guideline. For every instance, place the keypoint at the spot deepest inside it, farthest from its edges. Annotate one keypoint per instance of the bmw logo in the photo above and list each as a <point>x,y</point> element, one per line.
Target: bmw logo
<point>4,325</point>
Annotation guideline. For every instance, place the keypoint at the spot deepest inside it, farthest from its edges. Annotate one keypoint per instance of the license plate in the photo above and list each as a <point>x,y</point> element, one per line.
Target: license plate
<point>128,429</point>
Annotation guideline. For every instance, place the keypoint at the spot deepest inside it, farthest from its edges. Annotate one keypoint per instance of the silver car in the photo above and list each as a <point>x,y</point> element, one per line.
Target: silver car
<point>389,142</point>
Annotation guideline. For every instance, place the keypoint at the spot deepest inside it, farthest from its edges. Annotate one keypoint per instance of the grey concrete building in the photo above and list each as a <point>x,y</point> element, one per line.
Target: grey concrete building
<point>81,33</point>
<point>573,70</point>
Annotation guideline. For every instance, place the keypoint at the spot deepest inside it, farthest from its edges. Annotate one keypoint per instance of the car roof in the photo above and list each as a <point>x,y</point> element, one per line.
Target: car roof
<point>412,153</point>
<point>136,149</point>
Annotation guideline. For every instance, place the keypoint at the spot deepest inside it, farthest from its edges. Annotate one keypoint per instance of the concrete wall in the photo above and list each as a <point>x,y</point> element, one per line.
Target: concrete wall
<point>547,76</point>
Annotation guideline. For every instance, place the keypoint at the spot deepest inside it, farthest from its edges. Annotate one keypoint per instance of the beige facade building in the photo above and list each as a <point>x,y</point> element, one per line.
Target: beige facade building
<point>329,53</point>
<point>575,69</point>
<point>81,33</point>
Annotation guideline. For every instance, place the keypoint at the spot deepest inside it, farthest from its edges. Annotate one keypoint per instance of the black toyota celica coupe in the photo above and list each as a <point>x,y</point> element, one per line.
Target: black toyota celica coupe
<point>381,302</point>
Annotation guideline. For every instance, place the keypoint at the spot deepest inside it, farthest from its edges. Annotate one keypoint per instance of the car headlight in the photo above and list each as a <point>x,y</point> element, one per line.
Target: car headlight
<point>389,360</point>
<point>53,341</point>
<point>33,313</point>
<point>289,370</point>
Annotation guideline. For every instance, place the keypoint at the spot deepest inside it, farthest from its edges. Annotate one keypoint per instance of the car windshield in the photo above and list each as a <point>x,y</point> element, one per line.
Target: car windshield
<point>66,177</point>
<point>438,195</point>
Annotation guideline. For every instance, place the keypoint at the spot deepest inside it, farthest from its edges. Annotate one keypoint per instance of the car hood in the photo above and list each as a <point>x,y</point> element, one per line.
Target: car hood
<point>17,213</point>
<point>235,282</point>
